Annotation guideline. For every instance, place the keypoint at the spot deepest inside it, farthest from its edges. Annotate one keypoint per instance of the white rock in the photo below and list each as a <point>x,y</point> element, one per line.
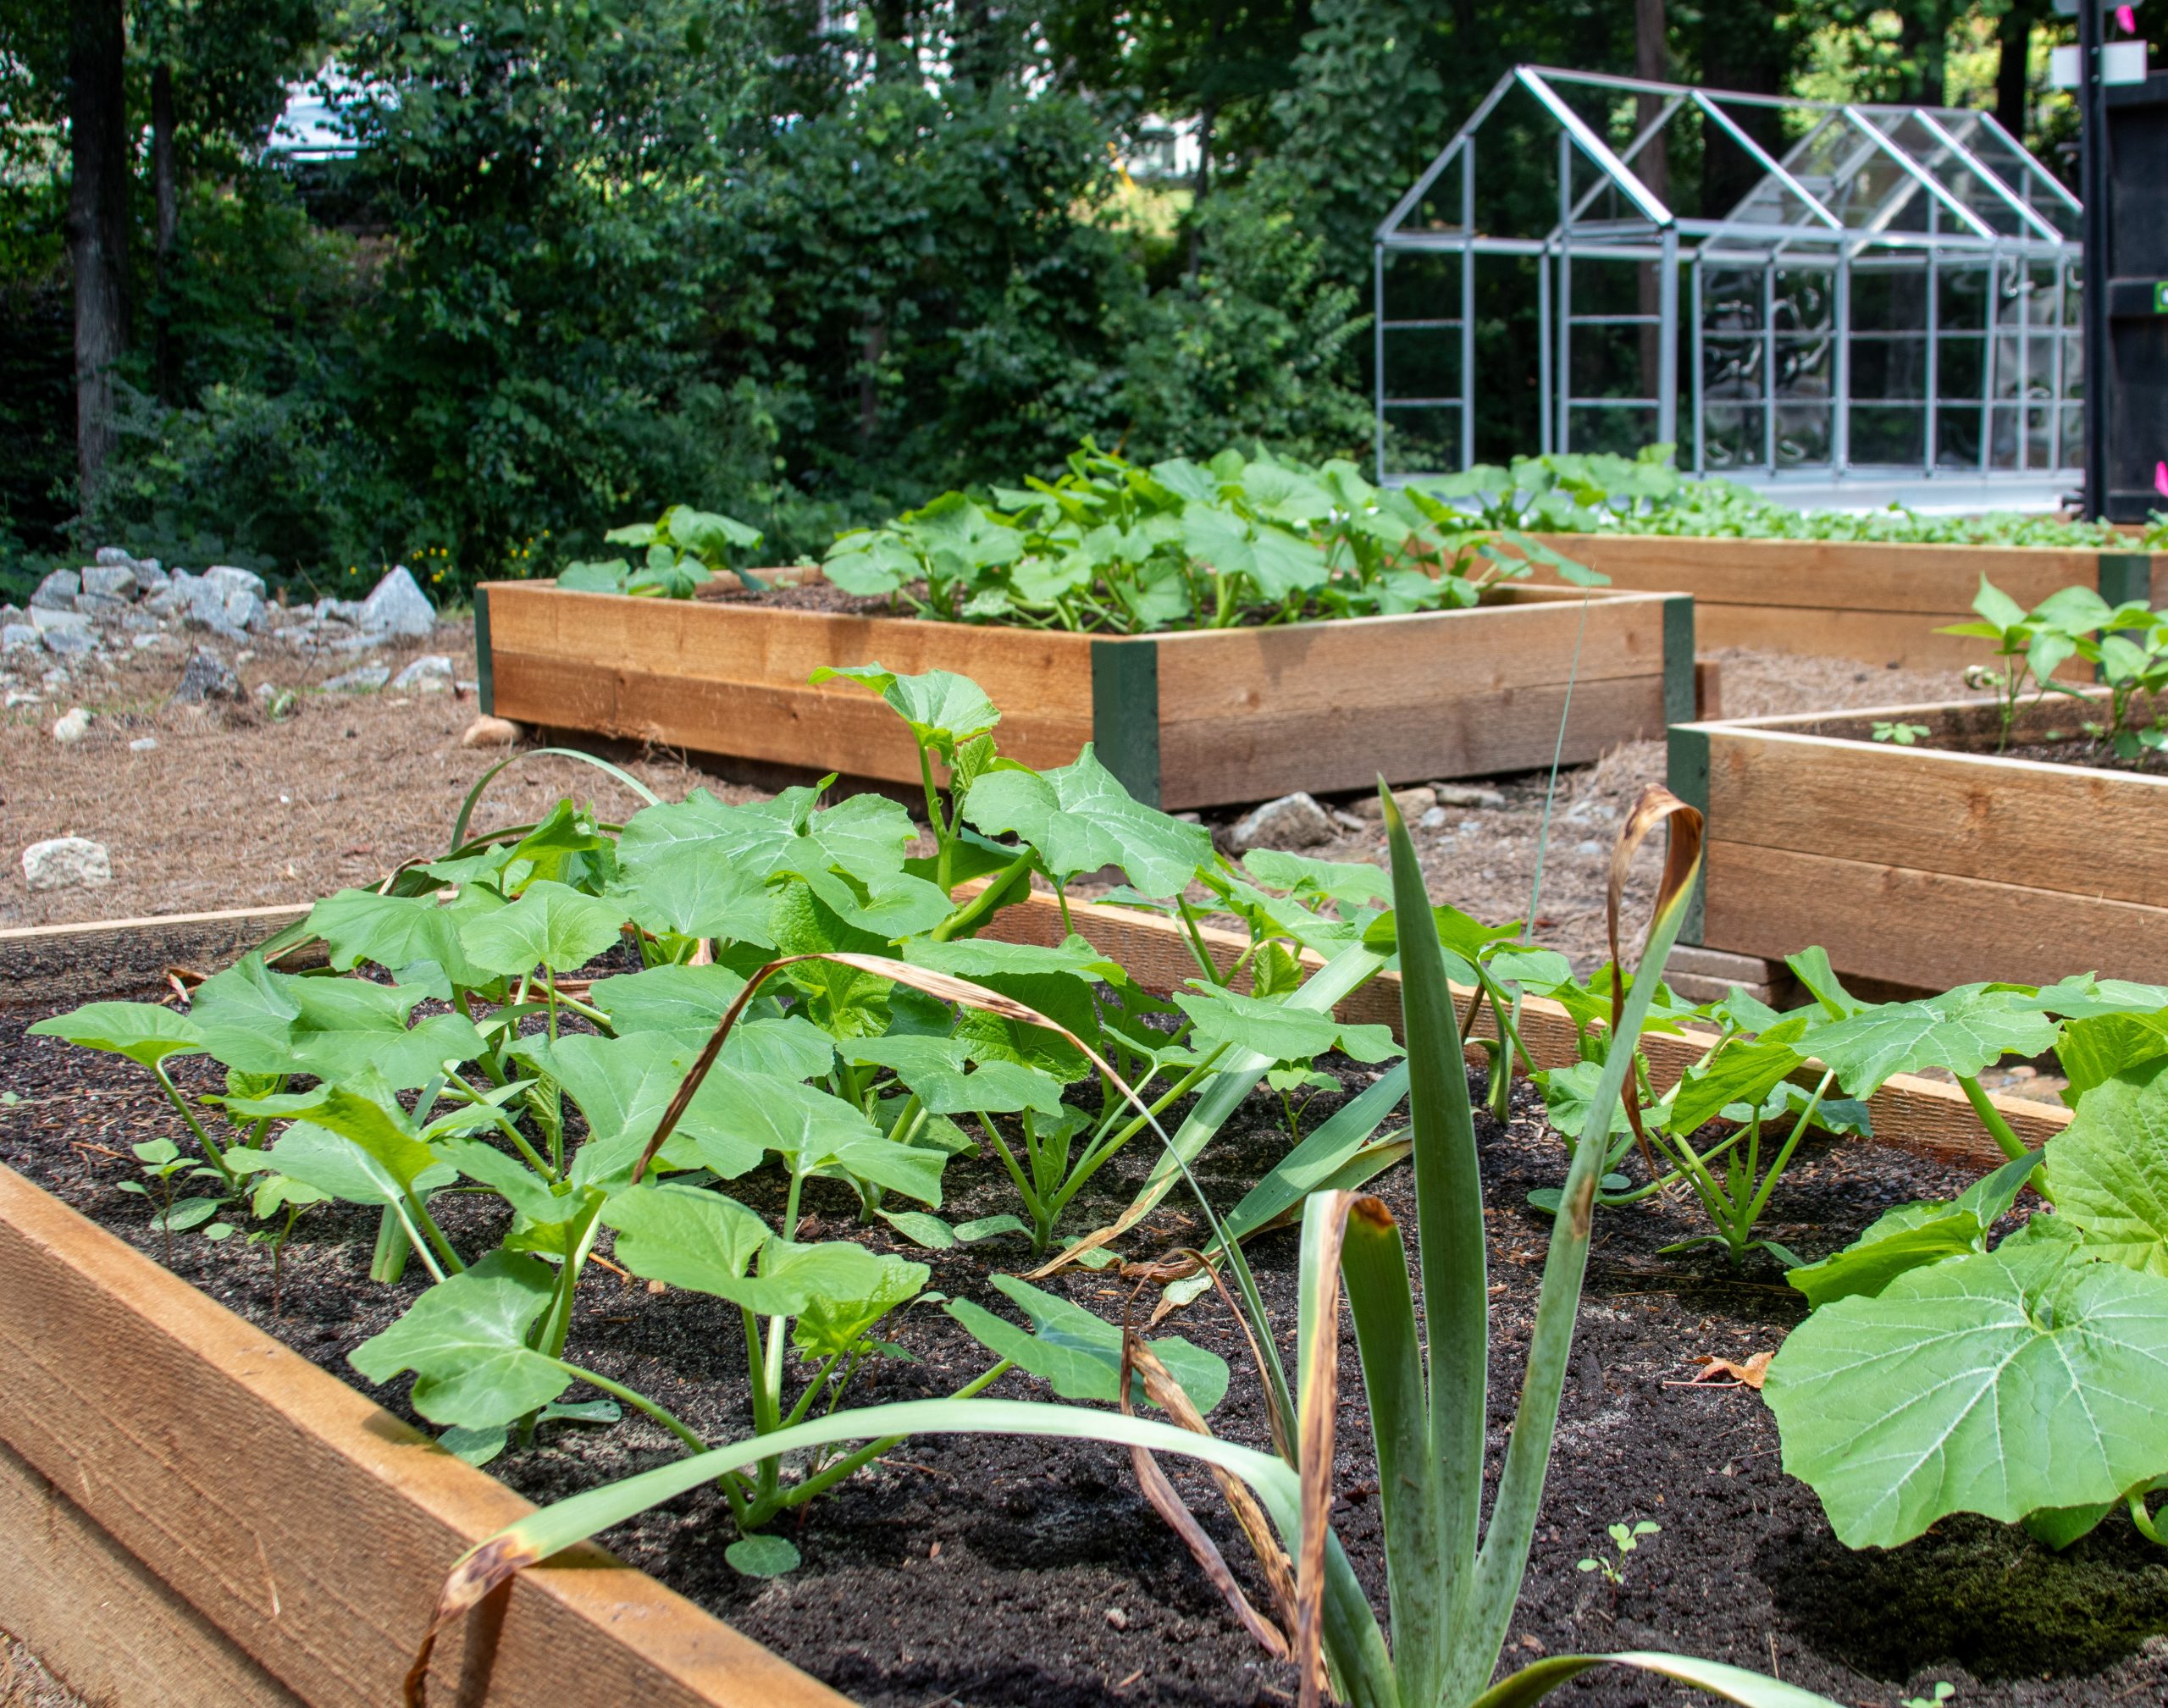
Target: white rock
<point>114,554</point>
<point>397,605</point>
<point>66,862</point>
<point>1466,794</point>
<point>1432,819</point>
<point>20,637</point>
<point>230,581</point>
<point>58,591</point>
<point>244,610</point>
<point>114,580</point>
<point>165,602</point>
<point>366,680</point>
<point>1293,822</point>
<point>72,724</point>
<point>71,642</point>
<point>1588,850</point>
<point>22,696</point>
<point>51,619</point>
<point>143,744</point>
<point>1412,803</point>
<point>431,673</point>
<point>154,638</point>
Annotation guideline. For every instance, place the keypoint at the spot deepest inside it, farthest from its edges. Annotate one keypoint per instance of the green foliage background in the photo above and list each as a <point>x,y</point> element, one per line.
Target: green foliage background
<point>591,257</point>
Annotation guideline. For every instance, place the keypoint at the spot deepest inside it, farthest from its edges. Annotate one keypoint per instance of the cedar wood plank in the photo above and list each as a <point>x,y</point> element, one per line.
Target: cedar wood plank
<point>1274,752</point>
<point>1917,1114</point>
<point>104,1624</point>
<point>1905,577</point>
<point>1922,927</point>
<point>2041,826</point>
<point>308,1523</point>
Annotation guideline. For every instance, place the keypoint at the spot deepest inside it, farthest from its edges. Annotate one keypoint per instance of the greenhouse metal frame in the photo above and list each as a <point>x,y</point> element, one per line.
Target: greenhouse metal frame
<point>1797,368</point>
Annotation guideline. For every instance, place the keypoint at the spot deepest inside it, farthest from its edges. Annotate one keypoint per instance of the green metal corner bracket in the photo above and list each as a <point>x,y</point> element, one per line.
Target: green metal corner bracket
<point>483,673</point>
<point>1125,713</point>
<point>1679,658</point>
<point>1687,772</point>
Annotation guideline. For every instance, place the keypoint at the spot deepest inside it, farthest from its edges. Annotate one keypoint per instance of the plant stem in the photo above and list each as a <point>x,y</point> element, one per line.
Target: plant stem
<point>210,1146</point>
<point>1991,1118</point>
<point>1196,941</point>
<point>639,1402</point>
<point>984,903</point>
<point>509,1129</point>
<point>873,1449</point>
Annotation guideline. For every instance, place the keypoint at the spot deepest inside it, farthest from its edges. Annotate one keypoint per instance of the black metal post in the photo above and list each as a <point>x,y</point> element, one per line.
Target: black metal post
<point>2092,191</point>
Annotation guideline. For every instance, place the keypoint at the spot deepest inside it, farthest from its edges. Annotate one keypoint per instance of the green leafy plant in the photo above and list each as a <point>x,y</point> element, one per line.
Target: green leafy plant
<point>2124,643</point>
<point>1939,1375</point>
<point>1624,1539</point>
<point>685,549</point>
<point>1943,1691</point>
<point>1116,548</point>
<point>1451,1587</point>
<point>165,1170</point>
<point>1901,734</point>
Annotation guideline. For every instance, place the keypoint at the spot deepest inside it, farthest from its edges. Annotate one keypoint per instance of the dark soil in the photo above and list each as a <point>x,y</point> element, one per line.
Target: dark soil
<point>819,594</point>
<point>2092,755</point>
<point>981,1572</point>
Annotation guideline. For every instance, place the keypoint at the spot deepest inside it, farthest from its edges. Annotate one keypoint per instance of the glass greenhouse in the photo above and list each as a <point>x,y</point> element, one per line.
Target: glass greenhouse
<point>1874,298</point>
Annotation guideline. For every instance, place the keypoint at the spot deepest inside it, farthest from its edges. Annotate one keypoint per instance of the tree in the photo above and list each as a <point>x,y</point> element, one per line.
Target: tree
<point>97,218</point>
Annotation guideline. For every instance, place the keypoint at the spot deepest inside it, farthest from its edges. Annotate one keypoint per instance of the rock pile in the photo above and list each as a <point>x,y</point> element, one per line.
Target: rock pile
<point>121,603</point>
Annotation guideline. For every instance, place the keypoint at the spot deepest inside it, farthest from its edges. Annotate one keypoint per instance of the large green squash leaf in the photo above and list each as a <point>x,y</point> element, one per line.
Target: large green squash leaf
<point>551,925</point>
<point>144,1032</point>
<point>1964,1030</point>
<point>465,1340</point>
<point>2000,1384</point>
<point>1080,818</point>
<point>2108,1170</point>
<point>1080,1354</point>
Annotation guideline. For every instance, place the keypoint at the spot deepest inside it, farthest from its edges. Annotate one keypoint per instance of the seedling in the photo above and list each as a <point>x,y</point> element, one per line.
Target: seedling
<point>1624,1539</point>
<point>1900,734</point>
<point>165,1170</point>
<point>1944,1690</point>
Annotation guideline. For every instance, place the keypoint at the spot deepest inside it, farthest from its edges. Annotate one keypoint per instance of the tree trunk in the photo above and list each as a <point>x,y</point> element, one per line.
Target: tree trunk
<point>2014,40</point>
<point>164,178</point>
<point>1205,119</point>
<point>1651,63</point>
<point>97,220</point>
<point>1743,47</point>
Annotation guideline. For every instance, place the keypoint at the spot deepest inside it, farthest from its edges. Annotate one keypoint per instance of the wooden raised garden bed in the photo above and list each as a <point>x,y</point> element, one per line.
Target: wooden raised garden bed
<point>1880,603</point>
<point>1920,865</point>
<point>1201,718</point>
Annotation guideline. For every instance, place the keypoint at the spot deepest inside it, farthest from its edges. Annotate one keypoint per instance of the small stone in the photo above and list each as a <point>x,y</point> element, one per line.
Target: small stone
<point>114,580</point>
<point>360,642</point>
<point>71,726</point>
<point>1293,821</point>
<point>100,604</point>
<point>1347,820</point>
<point>295,635</point>
<point>367,679</point>
<point>22,696</point>
<point>20,637</point>
<point>143,744</point>
<point>1117,1618</point>
<point>398,606</point>
<point>51,619</point>
<point>165,602</point>
<point>1412,803</point>
<point>245,610</point>
<point>58,591</point>
<point>1434,819</point>
<point>207,677</point>
<point>1467,794</point>
<point>490,731</point>
<point>154,638</point>
<point>431,673</point>
<point>1588,850</point>
<point>66,862</point>
<point>114,554</point>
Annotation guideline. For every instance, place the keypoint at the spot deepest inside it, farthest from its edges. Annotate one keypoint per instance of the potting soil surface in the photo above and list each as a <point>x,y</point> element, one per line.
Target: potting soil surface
<point>1000,1574</point>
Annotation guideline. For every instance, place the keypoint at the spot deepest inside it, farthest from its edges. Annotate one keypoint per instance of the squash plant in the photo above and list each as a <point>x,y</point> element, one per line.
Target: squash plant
<point>1115,548</point>
<point>2024,1382</point>
<point>1451,1581</point>
<point>685,548</point>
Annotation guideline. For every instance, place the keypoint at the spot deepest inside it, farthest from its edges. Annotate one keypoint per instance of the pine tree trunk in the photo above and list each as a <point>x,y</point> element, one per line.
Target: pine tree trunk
<point>97,221</point>
<point>165,179</point>
<point>2014,40</point>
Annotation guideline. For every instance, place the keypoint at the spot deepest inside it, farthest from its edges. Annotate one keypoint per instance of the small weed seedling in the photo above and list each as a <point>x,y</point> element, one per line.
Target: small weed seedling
<point>1903,734</point>
<point>1944,1690</point>
<point>165,1169</point>
<point>1625,1538</point>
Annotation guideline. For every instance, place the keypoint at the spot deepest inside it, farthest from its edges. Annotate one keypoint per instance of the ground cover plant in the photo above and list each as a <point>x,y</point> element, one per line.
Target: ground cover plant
<point>1116,548</point>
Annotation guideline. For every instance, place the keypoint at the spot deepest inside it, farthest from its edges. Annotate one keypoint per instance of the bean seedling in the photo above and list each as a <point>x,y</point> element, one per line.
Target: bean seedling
<point>1624,1539</point>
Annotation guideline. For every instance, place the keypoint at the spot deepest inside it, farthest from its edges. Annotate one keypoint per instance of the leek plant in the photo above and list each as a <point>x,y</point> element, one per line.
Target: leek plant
<point>1451,1581</point>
